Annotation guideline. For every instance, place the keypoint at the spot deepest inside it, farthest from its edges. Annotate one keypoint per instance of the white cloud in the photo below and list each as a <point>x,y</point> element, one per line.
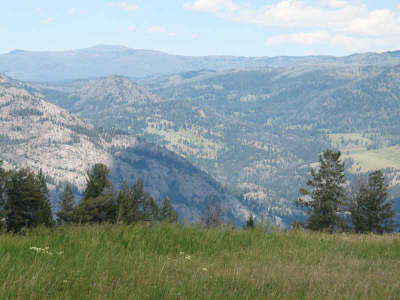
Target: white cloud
<point>348,24</point>
<point>48,21</point>
<point>38,10</point>
<point>306,38</point>
<point>124,5</point>
<point>157,29</point>
<point>132,28</point>
<point>72,11</point>
<point>376,23</point>
<point>160,29</point>
<point>212,6</point>
<point>333,3</point>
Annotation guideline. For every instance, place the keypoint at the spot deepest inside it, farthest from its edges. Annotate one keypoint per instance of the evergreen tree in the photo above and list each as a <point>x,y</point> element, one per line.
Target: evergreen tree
<point>147,208</point>
<point>3,180</point>
<point>136,205</point>
<point>45,215</point>
<point>167,212</point>
<point>124,202</point>
<point>97,210</point>
<point>213,213</point>
<point>27,203</point>
<point>97,181</point>
<point>99,202</point>
<point>327,196</point>
<point>66,214</point>
<point>371,211</point>
<point>250,222</point>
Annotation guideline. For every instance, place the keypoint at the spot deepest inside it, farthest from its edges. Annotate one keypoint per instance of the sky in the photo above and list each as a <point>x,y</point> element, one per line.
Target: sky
<point>204,27</point>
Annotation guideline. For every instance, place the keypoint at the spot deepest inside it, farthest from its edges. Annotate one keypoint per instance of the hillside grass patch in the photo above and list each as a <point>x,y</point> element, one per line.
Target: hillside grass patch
<point>177,262</point>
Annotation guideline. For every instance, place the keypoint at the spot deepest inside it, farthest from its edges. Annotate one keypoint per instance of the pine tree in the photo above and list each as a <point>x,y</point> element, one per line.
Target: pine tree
<point>27,203</point>
<point>66,214</point>
<point>326,199</point>
<point>124,199</point>
<point>371,211</point>
<point>97,181</point>
<point>167,212</point>
<point>44,215</point>
<point>3,180</point>
<point>136,205</point>
<point>250,222</point>
<point>99,202</point>
<point>146,207</point>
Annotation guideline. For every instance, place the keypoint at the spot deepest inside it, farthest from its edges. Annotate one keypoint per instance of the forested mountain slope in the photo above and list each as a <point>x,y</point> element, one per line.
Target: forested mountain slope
<point>259,130</point>
<point>37,134</point>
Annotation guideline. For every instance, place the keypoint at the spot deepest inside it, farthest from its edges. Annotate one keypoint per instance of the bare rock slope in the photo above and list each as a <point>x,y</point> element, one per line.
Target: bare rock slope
<point>37,134</point>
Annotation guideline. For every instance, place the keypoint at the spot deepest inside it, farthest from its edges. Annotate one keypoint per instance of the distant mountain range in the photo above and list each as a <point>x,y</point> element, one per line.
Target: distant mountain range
<point>37,134</point>
<point>256,125</point>
<point>103,60</point>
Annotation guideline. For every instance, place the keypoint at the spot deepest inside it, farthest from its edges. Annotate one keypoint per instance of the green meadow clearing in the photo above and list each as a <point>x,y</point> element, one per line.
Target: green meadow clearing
<point>181,262</point>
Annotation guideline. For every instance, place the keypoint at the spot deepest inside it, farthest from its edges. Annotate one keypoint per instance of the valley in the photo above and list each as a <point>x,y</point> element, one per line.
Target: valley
<point>255,129</point>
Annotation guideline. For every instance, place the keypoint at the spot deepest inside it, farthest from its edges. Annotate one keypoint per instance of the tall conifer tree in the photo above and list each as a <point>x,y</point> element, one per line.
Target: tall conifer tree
<point>326,198</point>
<point>66,214</point>
<point>27,203</point>
<point>167,212</point>
<point>371,210</point>
<point>99,202</point>
<point>146,207</point>
<point>126,208</point>
<point>44,216</point>
<point>3,180</point>
<point>97,181</point>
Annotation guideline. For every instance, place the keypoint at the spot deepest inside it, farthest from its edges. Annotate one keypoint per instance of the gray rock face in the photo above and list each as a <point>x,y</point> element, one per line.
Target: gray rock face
<point>37,134</point>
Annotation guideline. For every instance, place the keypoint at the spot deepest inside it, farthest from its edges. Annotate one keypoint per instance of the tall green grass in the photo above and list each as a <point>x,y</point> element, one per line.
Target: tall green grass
<point>177,262</point>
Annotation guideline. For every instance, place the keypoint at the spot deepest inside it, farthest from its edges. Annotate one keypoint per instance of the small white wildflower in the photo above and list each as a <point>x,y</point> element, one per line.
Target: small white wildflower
<point>181,253</point>
<point>188,257</point>
<point>42,250</point>
<point>65,281</point>
<point>204,269</point>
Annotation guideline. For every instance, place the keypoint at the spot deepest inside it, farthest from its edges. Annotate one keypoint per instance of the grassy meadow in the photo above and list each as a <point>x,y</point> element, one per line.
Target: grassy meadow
<point>182,262</point>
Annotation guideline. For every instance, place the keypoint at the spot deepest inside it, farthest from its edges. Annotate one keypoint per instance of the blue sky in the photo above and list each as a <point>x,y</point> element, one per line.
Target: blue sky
<point>204,27</point>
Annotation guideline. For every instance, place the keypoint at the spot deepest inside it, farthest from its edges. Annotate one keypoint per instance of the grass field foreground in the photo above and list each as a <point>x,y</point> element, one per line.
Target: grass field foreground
<point>180,262</point>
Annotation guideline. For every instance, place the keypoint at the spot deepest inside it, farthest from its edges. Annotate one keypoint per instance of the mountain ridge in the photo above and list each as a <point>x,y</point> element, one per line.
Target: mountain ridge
<point>103,60</point>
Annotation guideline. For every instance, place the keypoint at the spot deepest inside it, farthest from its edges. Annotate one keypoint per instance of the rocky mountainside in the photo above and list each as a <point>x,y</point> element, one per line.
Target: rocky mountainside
<point>103,60</point>
<point>37,134</point>
<point>258,131</point>
<point>103,101</point>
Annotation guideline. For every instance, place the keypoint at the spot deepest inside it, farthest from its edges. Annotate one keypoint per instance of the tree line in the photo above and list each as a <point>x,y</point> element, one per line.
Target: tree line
<point>25,201</point>
<point>332,208</point>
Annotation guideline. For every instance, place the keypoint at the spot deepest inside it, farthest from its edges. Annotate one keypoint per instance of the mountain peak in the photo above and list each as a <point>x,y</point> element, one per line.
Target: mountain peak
<point>394,53</point>
<point>108,47</point>
<point>16,51</point>
<point>111,90</point>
